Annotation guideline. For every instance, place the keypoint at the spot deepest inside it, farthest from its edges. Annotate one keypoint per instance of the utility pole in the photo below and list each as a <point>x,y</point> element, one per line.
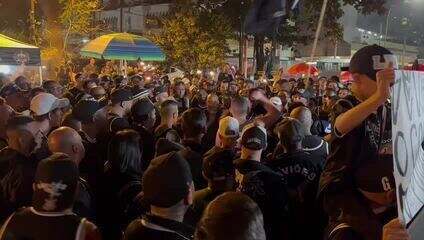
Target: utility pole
<point>121,15</point>
<point>317,33</point>
<point>32,22</point>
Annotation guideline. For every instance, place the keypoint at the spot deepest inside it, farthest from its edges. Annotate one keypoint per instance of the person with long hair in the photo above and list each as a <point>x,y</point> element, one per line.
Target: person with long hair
<point>121,183</point>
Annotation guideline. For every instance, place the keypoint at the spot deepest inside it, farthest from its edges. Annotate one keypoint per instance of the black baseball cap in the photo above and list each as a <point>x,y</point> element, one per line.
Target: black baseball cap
<point>9,89</point>
<point>141,108</point>
<point>254,137</point>
<point>166,180</point>
<point>370,59</point>
<point>84,110</point>
<point>55,183</point>
<point>376,175</point>
<point>218,165</point>
<point>290,130</point>
<point>121,95</point>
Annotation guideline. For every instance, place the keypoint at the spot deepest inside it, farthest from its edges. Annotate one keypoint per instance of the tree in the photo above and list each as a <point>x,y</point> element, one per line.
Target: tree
<point>76,17</point>
<point>194,39</point>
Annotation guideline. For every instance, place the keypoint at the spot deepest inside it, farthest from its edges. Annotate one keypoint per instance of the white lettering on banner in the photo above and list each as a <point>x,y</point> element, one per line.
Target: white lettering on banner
<point>407,136</point>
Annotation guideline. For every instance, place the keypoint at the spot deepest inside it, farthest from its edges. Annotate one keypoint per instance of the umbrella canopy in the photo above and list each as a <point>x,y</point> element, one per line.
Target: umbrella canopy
<point>303,68</point>
<point>345,76</point>
<point>14,52</point>
<point>123,46</point>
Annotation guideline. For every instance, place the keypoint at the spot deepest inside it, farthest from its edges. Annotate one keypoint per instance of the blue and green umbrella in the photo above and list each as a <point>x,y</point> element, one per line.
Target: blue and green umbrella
<point>123,46</point>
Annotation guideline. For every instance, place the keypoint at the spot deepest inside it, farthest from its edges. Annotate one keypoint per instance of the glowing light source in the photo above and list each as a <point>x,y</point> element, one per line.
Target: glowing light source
<point>5,69</point>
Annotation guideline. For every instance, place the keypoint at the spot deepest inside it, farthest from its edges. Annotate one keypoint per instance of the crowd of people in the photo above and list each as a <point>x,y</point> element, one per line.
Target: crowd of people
<point>114,157</point>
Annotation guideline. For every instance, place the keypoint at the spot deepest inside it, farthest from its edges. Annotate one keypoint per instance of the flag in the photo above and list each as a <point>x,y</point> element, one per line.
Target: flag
<point>265,16</point>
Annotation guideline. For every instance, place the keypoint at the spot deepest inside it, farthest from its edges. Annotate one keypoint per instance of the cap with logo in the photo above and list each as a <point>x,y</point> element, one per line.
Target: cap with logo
<point>254,137</point>
<point>44,103</point>
<point>370,59</point>
<point>229,127</point>
<point>166,180</point>
<point>55,183</point>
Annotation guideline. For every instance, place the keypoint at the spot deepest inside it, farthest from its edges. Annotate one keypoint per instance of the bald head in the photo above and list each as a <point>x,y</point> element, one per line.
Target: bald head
<point>67,140</point>
<point>227,209</point>
<point>304,115</point>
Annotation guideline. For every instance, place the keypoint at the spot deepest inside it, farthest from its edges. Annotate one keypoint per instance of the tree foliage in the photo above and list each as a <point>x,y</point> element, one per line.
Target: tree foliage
<point>77,14</point>
<point>194,39</point>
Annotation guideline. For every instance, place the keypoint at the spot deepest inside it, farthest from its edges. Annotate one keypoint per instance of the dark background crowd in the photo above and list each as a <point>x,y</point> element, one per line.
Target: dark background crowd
<point>137,157</point>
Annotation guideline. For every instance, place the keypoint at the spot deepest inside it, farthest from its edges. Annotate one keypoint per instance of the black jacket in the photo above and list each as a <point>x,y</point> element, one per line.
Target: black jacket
<point>268,189</point>
<point>302,177</point>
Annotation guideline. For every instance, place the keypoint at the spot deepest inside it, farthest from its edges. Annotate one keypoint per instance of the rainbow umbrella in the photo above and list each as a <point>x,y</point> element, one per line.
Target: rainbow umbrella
<point>123,46</point>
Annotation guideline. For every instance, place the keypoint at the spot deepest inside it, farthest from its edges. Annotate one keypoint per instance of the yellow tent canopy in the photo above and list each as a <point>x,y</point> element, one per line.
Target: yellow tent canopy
<point>14,52</point>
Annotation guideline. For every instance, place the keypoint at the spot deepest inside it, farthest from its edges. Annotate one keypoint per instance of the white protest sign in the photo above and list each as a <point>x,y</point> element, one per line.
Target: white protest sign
<point>408,154</point>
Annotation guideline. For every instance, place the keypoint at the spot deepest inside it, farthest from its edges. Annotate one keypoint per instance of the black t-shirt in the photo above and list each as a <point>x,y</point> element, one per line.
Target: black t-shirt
<point>341,231</point>
<point>367,142</point>
<point>183,104</point>
<point>370,140</point>
<point>147,145</point>
<point>28,224</point>
<point>209,139</point>
<point>168,133</point>
<point>195,161</point>
<point>84,202</point>
<point>156,228</point>
<point>17,179</point>
<point>200,201</point>
<point>117,191</point>
<point>317,148</point>
<point>268,189</point>
<point>92,166</point>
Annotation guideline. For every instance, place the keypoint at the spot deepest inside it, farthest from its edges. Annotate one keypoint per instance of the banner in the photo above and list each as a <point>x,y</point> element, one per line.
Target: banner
<point>408,154</point>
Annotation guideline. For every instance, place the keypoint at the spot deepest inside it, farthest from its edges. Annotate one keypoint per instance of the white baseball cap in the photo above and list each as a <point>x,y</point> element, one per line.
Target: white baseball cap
<point>44,103</point>
<point>229,127</point>
<point>276,101</point>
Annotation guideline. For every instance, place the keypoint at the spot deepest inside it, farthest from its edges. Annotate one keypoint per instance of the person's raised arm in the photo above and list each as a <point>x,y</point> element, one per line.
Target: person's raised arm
<point>352,118</point>
<point>272,113</point>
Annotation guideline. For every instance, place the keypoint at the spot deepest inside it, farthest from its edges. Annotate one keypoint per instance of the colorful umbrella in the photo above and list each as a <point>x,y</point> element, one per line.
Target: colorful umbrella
<point>303,68</point>
<point>345,77</point>
<point>123,46</point>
